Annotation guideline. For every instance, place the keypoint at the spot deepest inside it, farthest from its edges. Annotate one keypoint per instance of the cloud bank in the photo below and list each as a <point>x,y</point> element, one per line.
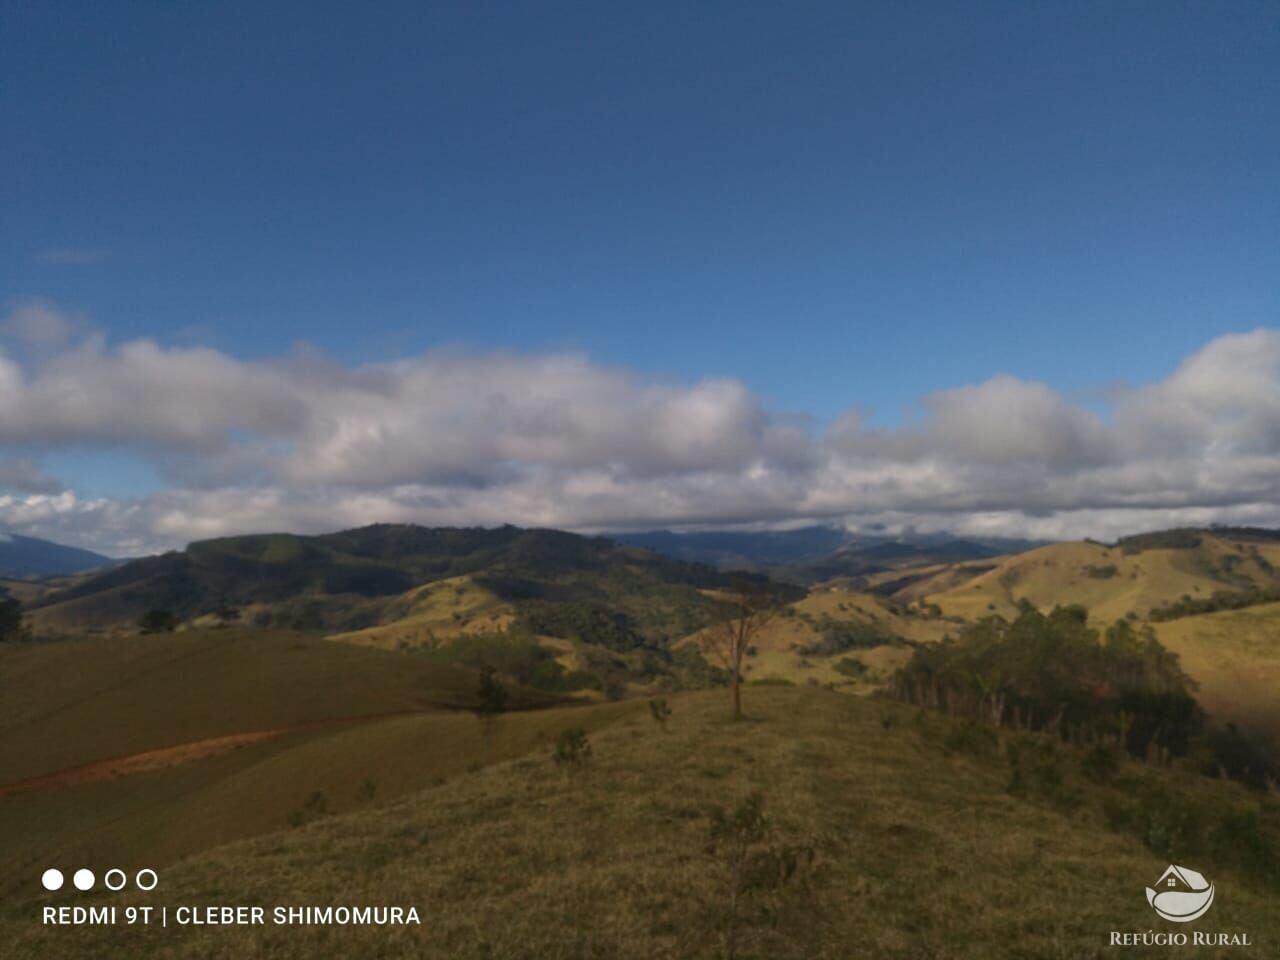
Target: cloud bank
<point>304,444</point>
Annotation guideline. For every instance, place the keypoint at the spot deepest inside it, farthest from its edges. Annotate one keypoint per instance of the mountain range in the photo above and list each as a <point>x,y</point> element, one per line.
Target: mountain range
<point>31,557</point>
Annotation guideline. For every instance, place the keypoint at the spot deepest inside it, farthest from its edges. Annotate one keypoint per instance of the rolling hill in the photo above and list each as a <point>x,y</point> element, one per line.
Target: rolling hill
<point>1234,656</point>
<point>253,764</point>
<point>371,576</point>
<point>1134,576</point>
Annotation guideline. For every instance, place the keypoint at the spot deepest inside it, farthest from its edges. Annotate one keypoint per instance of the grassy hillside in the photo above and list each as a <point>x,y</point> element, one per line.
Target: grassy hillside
<point>436,611</point>
<point>1235,658</point>
<point>154,817</point>
<point>808,641</point>
<point>1113,581</point>
<point>924,844</point>
<point>374,576</point>
<point>73,702</point>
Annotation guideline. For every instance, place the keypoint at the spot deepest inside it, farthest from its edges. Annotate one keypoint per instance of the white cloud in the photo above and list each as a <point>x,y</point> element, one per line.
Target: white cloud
<point>300,443</point>
<point>40,326</point>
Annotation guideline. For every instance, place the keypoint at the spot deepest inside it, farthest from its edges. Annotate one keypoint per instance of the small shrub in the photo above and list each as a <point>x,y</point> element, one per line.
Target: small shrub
<point>851,667</point>
<point>660,712</point>
<point>975,739</point>
<point>158,621</point>
<point>317,806</point>
<point>1101,763</point>
<point>573,751</point>
<point>739,840</point>
<point>1037,772</point>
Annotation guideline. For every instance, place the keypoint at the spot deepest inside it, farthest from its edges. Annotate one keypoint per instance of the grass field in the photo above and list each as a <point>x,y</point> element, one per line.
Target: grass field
<point>1234,656</point>
<point>142,749</point>
<point>73,702</point>
<point>437,611</point>
<point>156,817</point>
<point>921,851</point>
<point>1108,581</point>
<point>778,652</point>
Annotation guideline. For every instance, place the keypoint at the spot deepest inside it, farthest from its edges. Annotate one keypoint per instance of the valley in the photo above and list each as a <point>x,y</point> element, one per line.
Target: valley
<point>315,700</point>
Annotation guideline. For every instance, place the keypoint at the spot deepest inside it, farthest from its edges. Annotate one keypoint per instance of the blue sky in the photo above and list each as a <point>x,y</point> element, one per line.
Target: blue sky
<point>837,205</point>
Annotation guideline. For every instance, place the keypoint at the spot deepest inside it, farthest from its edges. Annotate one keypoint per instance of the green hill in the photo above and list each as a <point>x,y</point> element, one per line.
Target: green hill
<point>1234,655</point>
<point>1135,576</point>
<point>69,703</point>
<point>150,747</point>
<point>910,837</point>
<point>361,578</point>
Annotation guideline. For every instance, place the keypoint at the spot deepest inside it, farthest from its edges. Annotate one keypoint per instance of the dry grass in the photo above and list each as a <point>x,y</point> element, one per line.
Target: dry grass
<point>1061,574</point>
<point>1234,655</point>
<point>437,611</point>
<point>75,702</point>
<point>777,648</point>
<point>922,854</point>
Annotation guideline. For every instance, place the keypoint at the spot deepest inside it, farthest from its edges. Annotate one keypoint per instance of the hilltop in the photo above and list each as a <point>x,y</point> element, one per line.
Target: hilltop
<point>910,836</point>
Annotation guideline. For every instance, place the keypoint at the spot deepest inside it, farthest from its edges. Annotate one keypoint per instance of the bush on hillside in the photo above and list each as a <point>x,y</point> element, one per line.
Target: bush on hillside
<point>1189,606</point>
<point>513,655</point>
<point>1053,672</point>
<point>11,623</point>
<point>586,622</point>
<point>838,636</point>
<point>158,621</point>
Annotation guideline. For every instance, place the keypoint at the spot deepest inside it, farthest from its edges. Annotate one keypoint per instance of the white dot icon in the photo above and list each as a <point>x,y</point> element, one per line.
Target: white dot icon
<point>83,879</point>
<point>52,879</point>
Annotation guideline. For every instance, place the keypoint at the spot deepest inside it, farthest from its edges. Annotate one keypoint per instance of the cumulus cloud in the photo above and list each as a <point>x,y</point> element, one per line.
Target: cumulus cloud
<point>40,326</point>
<point>302,443</point>
<point>24,475</point>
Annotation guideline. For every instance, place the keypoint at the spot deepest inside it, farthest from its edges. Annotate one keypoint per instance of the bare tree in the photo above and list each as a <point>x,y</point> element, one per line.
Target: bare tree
<point>754,604</point>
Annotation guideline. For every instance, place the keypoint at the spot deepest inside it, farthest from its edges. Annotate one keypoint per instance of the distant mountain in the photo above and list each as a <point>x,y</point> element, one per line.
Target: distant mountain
<point>374,575</point>
<point>30,557</point>
<point>816,553</point>
<point>741,550</point>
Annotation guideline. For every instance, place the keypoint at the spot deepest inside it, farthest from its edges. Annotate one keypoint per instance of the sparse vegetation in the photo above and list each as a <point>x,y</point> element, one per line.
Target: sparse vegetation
<point>158,621</point>
<point>660,711</point>
<point>1188,606</point>
<point>491,702</point>
<point>740,839</point>
<point>572,752</point>
<point>12,626</point>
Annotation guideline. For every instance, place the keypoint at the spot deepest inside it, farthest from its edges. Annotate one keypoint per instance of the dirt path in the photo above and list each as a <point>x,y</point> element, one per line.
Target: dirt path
<point>159,759</point>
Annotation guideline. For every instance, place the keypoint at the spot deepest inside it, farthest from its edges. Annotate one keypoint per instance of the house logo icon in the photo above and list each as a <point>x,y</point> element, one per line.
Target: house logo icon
<point>1181,895</point>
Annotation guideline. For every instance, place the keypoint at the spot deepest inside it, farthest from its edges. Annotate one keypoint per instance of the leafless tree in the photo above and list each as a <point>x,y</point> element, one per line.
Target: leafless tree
<point>754,603</point>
